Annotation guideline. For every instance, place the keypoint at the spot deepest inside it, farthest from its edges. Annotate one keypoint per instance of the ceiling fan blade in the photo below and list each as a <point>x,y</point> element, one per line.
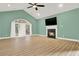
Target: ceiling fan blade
<point>41,5</point>
<point>30,3</point>
<point>29,6</point>
<point>36,8</point>
<point>35,3</point>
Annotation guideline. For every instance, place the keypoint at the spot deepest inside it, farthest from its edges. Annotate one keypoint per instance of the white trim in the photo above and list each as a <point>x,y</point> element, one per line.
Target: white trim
<point>6,37</point>
<point>13,27</point>
<point>35,35</point>
<point>42,35</point>
<point>38,35</point>
<point>60,38</point>
<point>17,36</point>
<point>12,37</point>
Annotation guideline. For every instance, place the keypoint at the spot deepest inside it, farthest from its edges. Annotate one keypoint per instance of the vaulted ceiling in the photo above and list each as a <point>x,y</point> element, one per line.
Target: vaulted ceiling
<point>49,9</point>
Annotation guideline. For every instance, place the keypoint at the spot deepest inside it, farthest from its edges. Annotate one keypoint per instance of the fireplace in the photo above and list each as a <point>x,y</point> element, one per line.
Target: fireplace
<point>51,33</point>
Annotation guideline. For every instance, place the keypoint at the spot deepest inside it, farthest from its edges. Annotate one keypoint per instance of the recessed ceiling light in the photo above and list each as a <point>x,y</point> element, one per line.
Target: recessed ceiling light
<point>9,5</point>
<point>60,5</point>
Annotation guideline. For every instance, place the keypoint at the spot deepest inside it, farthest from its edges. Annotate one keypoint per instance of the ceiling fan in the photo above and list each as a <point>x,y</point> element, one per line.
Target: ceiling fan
<point>35,5</point>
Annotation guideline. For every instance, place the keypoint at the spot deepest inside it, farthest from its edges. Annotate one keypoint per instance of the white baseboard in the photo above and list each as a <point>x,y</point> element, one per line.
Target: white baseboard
<point>18,36</point>
<point>38,35</point>
<point>60,38</point>
<point>5,37</point>
<point>68,39</point>
<point>63,38</point>
<point>35,35</point>
<point>9,37</point>
<point>41,35</point>
<point>15,36</point>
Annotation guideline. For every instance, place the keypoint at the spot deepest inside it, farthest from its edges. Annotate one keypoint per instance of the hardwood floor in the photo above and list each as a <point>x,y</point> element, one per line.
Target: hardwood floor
<point>38,46</point>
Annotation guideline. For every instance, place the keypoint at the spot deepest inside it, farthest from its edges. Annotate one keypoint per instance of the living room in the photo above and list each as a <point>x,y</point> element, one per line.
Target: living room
<point>39,29</point>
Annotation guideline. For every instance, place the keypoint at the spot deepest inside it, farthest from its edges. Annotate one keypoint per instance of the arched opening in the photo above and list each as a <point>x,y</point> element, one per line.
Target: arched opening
<point>21,27</point>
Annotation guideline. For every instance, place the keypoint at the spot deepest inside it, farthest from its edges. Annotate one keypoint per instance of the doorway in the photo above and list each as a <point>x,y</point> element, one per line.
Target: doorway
<point>21,27</point>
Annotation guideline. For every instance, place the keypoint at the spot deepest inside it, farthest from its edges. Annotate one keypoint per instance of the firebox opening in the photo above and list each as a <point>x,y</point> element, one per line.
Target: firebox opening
<point>52,33</point>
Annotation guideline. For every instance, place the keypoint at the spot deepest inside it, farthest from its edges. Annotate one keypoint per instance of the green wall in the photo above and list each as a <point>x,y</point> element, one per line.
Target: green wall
<point>7,17</point>
<point>68,24</point>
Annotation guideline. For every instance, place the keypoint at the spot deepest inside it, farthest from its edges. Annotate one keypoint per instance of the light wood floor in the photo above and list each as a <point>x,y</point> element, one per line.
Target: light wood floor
<point>38,46</point>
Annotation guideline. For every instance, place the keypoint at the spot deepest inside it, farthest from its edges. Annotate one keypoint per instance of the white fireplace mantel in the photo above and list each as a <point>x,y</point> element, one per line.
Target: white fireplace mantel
<point>51,27</point>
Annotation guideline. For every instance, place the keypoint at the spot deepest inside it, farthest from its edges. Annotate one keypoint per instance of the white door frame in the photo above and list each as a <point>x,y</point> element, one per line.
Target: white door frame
<point>13,33</point>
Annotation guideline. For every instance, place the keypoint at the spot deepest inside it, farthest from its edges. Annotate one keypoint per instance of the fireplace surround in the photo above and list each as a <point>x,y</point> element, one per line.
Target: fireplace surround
<point>51,31</point>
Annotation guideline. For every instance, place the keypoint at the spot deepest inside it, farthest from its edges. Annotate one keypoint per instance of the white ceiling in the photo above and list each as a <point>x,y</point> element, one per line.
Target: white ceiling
<point>49,9</point>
